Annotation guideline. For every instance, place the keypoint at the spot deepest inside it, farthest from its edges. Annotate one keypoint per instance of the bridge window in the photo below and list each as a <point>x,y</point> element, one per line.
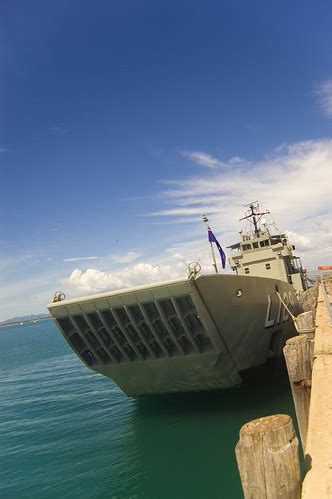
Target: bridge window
<point>255,245</point>
<point>264,243</point>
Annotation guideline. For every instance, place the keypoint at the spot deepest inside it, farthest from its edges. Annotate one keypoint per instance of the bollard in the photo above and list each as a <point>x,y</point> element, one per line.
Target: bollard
<point>298,355</point>
<point>268,459</point>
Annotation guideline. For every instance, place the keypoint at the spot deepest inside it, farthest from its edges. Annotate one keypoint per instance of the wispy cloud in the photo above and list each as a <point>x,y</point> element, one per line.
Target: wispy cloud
<point>27,295</point>
<point>324,92</point>
<point>294,183</point>
<point>129,257</point>
<point>203,159</point>
<point>79,258</point>
<point>3,150</point>
<point>285,183</point>
<point>11,262</point>
<point>183,211</point>
<point>56,227</point>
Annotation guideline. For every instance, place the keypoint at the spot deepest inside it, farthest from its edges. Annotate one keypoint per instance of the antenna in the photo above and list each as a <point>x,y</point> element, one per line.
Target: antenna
<point>254,215</point>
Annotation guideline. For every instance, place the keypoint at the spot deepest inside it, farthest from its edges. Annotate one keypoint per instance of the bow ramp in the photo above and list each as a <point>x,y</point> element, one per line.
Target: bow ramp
<point>150,339</point>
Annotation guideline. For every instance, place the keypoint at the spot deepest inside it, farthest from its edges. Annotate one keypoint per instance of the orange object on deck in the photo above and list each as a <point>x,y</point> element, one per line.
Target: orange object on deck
<point>325,267</point>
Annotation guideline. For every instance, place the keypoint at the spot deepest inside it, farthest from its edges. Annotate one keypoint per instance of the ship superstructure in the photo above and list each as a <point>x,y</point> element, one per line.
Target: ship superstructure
<point>259,253</point>
<point>196,333</point>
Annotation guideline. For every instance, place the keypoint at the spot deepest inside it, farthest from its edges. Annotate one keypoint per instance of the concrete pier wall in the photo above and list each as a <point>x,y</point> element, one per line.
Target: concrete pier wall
<point>318,456</point>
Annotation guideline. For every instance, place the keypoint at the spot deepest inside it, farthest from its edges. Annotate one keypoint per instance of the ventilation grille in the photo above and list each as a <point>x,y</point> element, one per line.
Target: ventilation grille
<point>154,330</point>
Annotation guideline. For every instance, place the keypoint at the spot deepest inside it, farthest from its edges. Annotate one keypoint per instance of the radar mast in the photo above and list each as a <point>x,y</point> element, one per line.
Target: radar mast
<point>254,215</point>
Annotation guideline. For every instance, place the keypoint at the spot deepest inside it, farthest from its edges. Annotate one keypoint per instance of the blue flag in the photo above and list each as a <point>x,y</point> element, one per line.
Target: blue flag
<point>213,239</point>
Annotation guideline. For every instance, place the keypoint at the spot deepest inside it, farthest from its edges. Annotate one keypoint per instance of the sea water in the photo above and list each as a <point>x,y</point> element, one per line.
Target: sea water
<point>66,432</point>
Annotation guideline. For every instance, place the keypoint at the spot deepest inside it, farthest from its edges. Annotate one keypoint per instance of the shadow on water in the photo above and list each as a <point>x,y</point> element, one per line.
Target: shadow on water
<point>184,443</point>
<point>261,386</point>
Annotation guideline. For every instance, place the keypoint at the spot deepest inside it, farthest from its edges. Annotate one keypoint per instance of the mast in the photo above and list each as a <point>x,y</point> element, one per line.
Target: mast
<point>254,215</point>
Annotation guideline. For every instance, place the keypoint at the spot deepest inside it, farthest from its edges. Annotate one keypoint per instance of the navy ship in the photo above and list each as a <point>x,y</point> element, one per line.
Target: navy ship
<point>199,332</point>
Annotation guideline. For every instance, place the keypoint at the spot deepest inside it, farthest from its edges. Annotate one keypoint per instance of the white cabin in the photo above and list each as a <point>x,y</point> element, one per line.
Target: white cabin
<point>261,254</point>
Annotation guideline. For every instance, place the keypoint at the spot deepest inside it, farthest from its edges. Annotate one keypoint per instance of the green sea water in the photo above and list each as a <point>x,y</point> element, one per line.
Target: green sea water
<point>66,432</point>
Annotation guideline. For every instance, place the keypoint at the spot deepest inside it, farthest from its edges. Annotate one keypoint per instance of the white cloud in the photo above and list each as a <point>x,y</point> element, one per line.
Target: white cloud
<point>294,183</point>
<point>203,159</point>
<point>301,242</point>
<point>175,264</point>
<point>126,257</point>
<point>76,259</point>
<point>324,92</point>
<point>93,280</point>
<point>181,211</point>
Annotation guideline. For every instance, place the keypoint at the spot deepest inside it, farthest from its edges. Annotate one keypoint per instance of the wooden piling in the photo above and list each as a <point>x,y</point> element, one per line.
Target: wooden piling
<point>308,299</point>
<point>298,355</point>
<point>305,323</point>
<point>268,460</point>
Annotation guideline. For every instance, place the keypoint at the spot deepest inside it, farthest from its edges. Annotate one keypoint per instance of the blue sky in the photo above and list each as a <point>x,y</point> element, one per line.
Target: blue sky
<point>123,122</point>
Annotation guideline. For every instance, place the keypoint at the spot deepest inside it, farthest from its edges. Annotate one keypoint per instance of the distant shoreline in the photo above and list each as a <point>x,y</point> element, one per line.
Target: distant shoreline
<point>26,321</point>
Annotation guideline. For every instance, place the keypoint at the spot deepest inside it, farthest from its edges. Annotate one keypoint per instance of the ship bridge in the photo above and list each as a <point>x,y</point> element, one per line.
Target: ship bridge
<point>262,254</point>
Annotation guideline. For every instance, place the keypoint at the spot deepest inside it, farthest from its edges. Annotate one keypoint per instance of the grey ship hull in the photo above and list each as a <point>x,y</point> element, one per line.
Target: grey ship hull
<point>180,335</point>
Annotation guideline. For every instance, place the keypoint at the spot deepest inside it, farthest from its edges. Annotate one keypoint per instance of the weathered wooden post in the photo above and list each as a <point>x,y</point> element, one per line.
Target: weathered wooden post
<point>308,299</point>
<point>268,459</point>
<point>298,355</point>
<point>305,323</point>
